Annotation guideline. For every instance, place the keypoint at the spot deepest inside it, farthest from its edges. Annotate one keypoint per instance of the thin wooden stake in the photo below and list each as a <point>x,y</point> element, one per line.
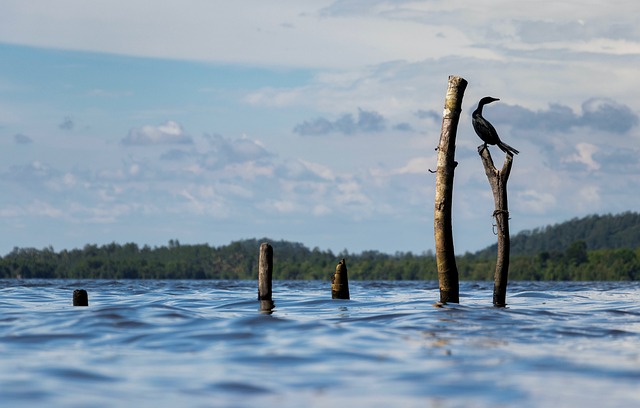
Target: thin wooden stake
<point>340,282</point>
<point>498,181</point>
<point>80,297</point>
<point>445,255</point>
<point>265,271</point>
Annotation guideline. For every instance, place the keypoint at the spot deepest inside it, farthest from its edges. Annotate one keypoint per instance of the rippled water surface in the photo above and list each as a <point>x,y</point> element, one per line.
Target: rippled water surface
<point>206,344</point>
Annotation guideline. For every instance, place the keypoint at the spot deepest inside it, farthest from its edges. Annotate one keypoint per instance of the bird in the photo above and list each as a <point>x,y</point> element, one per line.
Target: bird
<point>485,130</point>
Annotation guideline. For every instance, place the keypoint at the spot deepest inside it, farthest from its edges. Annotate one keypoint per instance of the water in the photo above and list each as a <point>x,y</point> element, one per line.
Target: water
<point>205,344</point>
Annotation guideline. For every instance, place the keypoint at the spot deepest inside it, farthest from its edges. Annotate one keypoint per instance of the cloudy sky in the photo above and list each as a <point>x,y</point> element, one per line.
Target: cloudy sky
<point>307,120</point>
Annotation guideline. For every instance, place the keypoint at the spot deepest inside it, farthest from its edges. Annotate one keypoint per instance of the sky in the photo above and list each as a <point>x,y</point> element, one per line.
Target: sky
<point>306,120</point>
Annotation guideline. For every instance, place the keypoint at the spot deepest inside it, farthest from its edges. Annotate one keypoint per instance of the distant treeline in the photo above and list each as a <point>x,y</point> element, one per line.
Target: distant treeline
<point>597,231</point>
<point>295,261</point>
<point>592,248</point>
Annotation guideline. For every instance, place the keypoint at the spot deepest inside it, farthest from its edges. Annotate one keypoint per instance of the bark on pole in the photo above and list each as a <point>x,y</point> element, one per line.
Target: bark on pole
<point>498,181</point>
<point>265,272</point>
<point>340,282</point>
<point>445,256</point>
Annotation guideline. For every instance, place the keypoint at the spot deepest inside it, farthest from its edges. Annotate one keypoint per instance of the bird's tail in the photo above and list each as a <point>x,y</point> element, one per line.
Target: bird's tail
<point>507,149</point>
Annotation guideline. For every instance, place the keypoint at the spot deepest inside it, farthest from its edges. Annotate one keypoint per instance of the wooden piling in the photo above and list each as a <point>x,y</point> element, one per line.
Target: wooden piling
<point>340,282</point>
<point>498,181</point>
<point>445,255</point>
<point>80,297</point>
<point>265,272</point>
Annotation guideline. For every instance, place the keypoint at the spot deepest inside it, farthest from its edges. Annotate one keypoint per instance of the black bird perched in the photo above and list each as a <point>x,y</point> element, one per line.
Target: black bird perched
<point>485,130</point>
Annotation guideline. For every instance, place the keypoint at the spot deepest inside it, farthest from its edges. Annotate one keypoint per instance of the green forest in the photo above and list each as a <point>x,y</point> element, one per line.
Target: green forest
<point>593,248</point>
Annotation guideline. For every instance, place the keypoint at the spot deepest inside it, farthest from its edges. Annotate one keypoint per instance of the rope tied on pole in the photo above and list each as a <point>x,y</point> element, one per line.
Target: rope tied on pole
<point>498,224</point>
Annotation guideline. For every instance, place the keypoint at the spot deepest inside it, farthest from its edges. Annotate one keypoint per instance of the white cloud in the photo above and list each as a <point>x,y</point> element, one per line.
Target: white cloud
<point>134,169</point>
<point>367,122</point>
<point>102,214</point>
<point>223,31</point>
<point>32,175</point>
<point>69,180</point>
<point>417,165</point>
<point>282,206</point>
<point>349,193</point>
<point>588,196</point>
<point>168,133</point>
<point>584,155</point>
<point>321,210</point>
<point>205,201</point>
<point>276,97</point>
<point>36,209</point>
<point>535,201</point>
<point>249,170</point>
<point>322,171</point>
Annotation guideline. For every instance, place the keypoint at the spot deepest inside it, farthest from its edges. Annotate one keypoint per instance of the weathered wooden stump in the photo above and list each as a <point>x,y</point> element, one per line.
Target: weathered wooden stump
<point>80,297</point>
<point>265,272</point>
<point>498,181</point>
<point>340,282</point>
<point>445,255</point>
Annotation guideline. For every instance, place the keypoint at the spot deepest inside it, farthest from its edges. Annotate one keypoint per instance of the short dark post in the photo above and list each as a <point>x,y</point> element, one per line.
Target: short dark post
<point>498,181</point>
<point>445,256</point>
<point>340,282</point>
<point>265,271</point>
<point>80,297</point>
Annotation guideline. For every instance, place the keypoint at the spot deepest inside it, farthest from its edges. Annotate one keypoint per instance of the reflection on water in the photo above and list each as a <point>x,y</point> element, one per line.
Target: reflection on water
<point>207,343</point>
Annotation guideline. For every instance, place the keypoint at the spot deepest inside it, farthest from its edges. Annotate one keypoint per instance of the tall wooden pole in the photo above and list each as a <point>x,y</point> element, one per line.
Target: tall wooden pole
<point>445,256</point>
<point>498,181</point>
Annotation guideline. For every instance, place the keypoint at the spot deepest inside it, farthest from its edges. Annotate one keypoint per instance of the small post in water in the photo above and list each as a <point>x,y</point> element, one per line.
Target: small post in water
<point>340,282</point>
<point>80,297</point>
<point>265,272</point>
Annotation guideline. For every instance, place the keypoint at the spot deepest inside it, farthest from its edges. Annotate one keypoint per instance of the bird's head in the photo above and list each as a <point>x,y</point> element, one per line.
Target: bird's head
<point>487,100</point>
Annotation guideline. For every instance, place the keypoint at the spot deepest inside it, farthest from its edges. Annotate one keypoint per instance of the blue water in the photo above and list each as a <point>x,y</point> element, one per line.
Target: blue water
<point>206,344</point>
